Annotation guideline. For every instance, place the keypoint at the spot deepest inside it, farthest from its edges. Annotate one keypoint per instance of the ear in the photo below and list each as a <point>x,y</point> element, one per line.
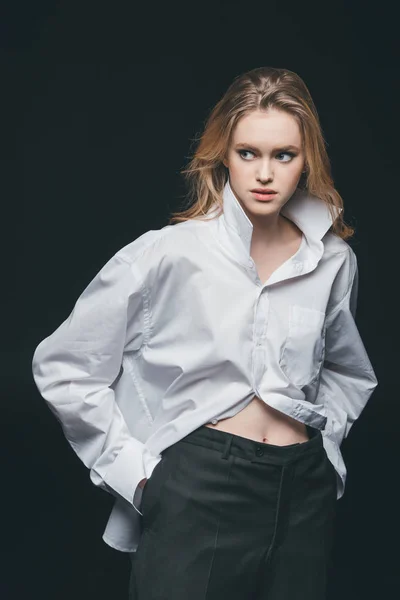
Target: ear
<point>225,163</point>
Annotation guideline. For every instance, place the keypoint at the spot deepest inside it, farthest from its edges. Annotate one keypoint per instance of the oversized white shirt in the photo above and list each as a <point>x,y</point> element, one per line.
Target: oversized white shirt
<point>177,330</point>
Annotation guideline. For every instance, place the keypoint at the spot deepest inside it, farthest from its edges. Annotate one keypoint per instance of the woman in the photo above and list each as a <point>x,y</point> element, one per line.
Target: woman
<point>210,371</point>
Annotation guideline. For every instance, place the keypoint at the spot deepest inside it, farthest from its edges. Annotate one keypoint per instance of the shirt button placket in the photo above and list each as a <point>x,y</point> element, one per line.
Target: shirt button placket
<point>261,317</point>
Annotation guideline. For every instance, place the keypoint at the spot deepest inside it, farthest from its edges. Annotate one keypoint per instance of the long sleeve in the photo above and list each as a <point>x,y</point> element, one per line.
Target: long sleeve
<point>74,367</point>
<point>347,378</point>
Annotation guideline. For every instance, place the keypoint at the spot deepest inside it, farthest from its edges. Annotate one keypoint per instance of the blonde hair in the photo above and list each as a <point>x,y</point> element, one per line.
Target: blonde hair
<point>259,89</point>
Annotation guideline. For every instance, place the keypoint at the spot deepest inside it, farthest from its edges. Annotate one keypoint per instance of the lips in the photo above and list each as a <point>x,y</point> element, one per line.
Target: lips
<point>266,191</point>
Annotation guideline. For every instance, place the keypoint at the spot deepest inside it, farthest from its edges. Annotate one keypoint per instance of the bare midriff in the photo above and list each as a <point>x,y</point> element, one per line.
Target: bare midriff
<point>262,423</point>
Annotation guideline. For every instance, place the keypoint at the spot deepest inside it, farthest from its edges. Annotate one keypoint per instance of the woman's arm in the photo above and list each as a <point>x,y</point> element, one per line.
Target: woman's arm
<point>347,378</point>
<point>74,367</point>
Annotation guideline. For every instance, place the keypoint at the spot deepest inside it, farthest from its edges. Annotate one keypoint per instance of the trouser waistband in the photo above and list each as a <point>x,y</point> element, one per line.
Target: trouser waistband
<point>229,443</point>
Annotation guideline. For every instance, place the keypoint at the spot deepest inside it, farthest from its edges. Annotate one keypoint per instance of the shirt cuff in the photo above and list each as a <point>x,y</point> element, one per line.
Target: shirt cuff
<point>127,470</point>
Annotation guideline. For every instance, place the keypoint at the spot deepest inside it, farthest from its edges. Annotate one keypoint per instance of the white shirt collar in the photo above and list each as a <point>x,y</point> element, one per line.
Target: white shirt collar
<point>307,211</point>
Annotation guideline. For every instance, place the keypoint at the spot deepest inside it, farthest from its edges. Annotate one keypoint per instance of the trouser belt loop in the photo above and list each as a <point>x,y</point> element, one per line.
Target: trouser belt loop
<point>227,448</point>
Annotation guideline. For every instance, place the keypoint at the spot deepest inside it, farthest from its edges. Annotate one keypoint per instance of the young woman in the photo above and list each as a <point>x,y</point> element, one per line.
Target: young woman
<point>210,371</point>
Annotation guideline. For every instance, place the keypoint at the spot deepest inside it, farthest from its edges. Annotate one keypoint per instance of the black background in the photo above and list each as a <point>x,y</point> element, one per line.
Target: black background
<point>100,103</point>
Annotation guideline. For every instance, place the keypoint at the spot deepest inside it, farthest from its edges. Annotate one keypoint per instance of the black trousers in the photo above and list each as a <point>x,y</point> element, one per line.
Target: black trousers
<point>226,517</point>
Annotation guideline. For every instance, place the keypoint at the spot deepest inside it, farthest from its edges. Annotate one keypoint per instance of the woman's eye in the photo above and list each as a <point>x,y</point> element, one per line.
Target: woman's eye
<point>246,152</point>
<point>290,154</point>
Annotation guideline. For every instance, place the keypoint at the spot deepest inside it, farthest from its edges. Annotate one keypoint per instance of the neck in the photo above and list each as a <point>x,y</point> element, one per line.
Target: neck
<point>268,232</point>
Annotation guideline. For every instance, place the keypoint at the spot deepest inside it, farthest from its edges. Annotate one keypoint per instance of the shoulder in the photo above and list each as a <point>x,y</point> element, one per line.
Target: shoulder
<point>160,242</point>
<point>344,259</point>
<point>335,245</point>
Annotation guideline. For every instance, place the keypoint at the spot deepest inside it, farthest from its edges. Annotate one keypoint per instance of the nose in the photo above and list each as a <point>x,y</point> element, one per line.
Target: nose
<point>265,171</point>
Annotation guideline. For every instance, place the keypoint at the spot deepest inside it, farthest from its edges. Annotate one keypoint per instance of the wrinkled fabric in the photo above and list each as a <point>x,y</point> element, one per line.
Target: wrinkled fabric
<point>177,330</point>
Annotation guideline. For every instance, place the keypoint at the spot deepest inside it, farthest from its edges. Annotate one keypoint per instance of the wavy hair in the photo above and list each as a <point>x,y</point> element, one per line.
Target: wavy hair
<point>259,89</point>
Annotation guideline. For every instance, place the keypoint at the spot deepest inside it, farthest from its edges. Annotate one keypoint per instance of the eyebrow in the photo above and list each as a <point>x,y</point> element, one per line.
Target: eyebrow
<point>288,147</point>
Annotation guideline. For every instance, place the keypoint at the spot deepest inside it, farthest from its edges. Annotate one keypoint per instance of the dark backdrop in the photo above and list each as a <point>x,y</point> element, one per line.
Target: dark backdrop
<point>102,101</point>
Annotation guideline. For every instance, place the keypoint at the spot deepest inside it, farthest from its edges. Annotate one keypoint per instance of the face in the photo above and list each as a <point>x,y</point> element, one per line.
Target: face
<point>265,152</point>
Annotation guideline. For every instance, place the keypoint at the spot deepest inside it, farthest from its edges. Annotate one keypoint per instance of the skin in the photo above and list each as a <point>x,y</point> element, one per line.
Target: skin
<point>269,166</point>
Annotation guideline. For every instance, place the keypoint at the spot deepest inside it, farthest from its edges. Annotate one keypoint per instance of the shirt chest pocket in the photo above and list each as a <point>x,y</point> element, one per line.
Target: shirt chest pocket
<point>304,347</point>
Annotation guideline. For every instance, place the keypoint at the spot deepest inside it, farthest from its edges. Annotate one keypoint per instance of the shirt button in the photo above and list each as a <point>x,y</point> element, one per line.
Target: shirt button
<point>259,451</point>
<point>214,421</point>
